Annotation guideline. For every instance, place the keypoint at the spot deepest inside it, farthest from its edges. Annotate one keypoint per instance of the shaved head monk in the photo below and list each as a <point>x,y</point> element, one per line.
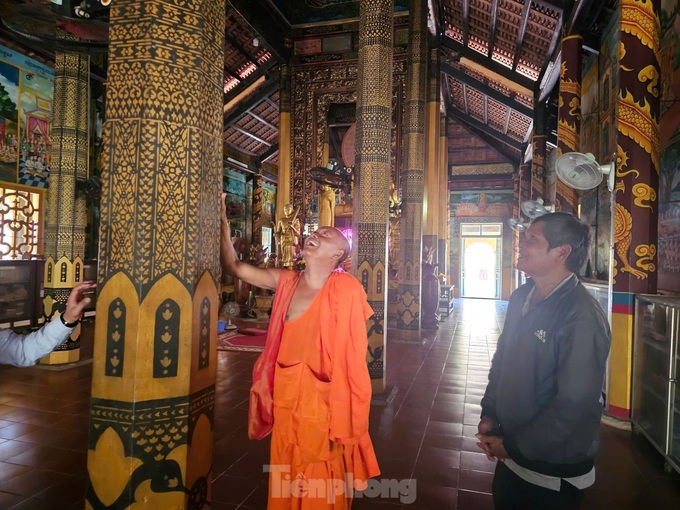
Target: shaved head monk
<point>311,389</point>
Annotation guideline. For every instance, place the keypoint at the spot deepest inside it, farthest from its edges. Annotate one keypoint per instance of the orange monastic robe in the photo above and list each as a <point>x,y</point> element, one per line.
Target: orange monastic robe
<point>320,449</point>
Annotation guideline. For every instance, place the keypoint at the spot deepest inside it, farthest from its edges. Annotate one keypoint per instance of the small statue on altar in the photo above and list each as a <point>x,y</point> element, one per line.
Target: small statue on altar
<point>287,235</point>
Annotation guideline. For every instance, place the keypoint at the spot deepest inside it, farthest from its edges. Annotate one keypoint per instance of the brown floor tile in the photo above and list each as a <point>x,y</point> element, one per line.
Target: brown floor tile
<point>427,433</point>
<point>468,500</point>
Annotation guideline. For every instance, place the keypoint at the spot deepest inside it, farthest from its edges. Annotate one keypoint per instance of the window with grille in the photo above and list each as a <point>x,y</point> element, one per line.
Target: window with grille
<point>20,219</point>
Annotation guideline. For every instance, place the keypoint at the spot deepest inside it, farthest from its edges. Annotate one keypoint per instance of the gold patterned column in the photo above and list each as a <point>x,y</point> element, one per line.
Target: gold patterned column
<point>153,376</point>
<point>431,200</point>
<point>283,181</point>
<point>257,210</point>
<point>66,209</point>
<point>370,212</point>
<point>637,185</point>
<point>443,251</point>
<point>568,120</point>
<point>412,178</point>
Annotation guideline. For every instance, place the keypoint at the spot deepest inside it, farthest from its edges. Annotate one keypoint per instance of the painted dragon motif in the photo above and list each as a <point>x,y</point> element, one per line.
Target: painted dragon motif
<point>623,226</point>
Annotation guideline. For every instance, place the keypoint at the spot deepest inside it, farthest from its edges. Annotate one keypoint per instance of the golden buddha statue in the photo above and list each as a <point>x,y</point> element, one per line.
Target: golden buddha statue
<point>287,235</point>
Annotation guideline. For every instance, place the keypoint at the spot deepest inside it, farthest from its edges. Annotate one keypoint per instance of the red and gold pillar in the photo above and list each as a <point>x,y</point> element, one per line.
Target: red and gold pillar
<point>370,211</point>
<point>153,376</point>
<point>636,188</point>
<point>568,120</point>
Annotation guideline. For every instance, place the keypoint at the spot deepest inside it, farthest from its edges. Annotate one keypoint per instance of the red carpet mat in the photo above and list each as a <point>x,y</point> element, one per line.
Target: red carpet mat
<point>235,341</point>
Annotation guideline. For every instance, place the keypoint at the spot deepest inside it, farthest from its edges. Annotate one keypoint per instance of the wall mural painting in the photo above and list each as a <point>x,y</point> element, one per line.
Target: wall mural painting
<point>235,187</point>
<point>26,89</point>
<point>482,204</point>
<point>669,165</point>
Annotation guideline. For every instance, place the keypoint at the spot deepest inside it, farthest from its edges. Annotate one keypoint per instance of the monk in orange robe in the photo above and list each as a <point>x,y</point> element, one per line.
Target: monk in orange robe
<point>311,387</point>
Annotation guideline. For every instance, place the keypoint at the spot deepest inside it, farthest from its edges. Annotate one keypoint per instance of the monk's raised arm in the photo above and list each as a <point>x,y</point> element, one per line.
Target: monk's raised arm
<point>259,277</point>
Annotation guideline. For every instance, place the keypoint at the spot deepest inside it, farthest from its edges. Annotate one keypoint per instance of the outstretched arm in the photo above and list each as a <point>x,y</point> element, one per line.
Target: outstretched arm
<point>25,350</point>
<point>259,277</point>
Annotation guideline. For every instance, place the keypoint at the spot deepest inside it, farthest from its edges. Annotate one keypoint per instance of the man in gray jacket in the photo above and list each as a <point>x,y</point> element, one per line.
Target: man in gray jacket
<point>26,350</point>
<point>542,407</point>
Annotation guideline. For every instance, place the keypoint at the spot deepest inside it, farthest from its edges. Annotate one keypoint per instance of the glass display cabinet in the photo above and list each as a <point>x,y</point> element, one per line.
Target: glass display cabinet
<point>656,361</point>
<point>20,286</point>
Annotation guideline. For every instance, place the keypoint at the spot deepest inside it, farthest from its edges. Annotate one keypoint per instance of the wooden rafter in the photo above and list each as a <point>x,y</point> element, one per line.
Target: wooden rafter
<point>269,152</point>
<point>466,22</point>
<point>235,44</point>
<point>526,10</point>
<point>249,80</point>
<point>250,135</point>
<point>485,89</point>
<point>262,94</point>
<point>465,100</point>
<point>272,103</point>
<point>490,64</point>
<point>480,126</point>
<point>262,121</point>
<point>507,121</point>
<point>492,27</point>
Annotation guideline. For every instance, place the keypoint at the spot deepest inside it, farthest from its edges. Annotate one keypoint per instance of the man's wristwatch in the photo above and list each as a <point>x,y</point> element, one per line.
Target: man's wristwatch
<point>68,324</point>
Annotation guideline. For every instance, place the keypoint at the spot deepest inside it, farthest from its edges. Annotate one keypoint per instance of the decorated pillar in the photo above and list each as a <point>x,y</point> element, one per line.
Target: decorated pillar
<point>431,202</point>
<point>153,376</point>
<point>370,212</point>
<point>283,181</point>
<point>636,189</point>
<point>412,177</point>
<point>568,120</point>
<point>66,209</point>
<point>258,205</point>
<point>539,153</point>
<point>443,251</point>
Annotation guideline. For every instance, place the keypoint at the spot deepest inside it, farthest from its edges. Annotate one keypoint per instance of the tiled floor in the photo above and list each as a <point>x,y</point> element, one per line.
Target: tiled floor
<point>427,433</point>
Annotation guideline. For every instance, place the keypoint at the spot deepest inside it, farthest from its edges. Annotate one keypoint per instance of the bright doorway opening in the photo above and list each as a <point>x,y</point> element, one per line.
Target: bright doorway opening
<point>481,260</point>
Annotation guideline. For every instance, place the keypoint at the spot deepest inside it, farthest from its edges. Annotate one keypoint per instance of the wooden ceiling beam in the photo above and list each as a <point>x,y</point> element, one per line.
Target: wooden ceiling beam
<point>272,103</point>
<point>466,79</point>
<point>492,27</point>
<point>466,22</point>
<point>521,33</point>
<point>264,23</point>
<point>262,94</point>
<point>262,121</point>
<point>489,64</point>
<point>273,149</point>
<point>483,128</point>
<point>465,99</point>
<point>235,44</point>
<point>251,135</point>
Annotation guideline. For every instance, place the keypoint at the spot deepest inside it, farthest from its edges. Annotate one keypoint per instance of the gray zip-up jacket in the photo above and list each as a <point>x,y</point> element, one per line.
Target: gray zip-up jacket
<point>546,379</point>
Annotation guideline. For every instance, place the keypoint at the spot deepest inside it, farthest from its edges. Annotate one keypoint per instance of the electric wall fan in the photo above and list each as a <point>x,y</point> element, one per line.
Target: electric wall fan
<point>582,171</point>
<point>532,209</point>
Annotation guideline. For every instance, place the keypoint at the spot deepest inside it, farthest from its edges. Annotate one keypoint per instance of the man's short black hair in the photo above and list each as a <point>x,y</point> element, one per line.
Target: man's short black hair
<point>562,228</point>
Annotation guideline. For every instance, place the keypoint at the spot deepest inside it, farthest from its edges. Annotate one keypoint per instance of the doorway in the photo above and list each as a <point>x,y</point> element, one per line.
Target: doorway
<point>481,260</point>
